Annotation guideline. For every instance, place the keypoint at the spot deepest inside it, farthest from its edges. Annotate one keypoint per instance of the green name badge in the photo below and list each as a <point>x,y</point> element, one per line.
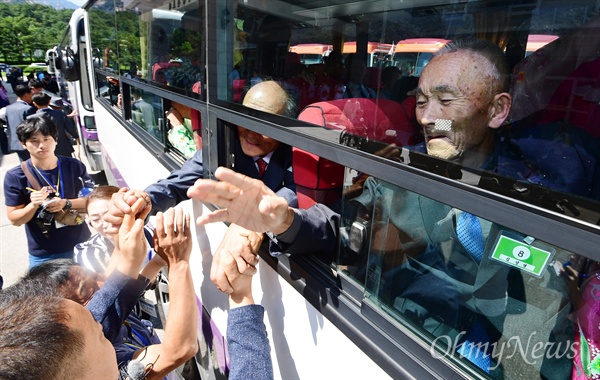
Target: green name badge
<point>513,251</point>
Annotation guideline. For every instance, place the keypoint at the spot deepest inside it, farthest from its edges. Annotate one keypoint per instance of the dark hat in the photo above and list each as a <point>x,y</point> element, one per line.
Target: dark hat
<point>56,102</point>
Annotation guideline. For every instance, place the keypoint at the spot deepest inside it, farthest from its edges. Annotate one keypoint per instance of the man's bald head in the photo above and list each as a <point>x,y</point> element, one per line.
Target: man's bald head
<point>268,96</point>
<point>271,97</point>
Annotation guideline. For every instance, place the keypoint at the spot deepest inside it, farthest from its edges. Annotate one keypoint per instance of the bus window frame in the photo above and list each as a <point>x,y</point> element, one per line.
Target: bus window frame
<point>335,296</point>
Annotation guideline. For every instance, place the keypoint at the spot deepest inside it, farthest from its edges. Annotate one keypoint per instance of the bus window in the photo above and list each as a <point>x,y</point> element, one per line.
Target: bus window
<point>468,300</point>
<point>131,63</point>
<point>411,55</point>
<point>311,54</point>
<point>377,53</point>
<point>176,54</point>
<point>537,41</point>
<point>508,154</point>
<point>183,129</point>
<point>146,111</point>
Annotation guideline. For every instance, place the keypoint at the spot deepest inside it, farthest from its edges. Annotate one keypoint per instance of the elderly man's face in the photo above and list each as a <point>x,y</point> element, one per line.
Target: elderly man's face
<point>455,87</point>
<point>254,144</point>
<point>269,97</point>
<point>98,354</point>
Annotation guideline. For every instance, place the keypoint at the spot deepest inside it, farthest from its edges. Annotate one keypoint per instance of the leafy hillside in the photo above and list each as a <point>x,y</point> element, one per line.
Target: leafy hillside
<point>56,4</point>
<point>28,29</point>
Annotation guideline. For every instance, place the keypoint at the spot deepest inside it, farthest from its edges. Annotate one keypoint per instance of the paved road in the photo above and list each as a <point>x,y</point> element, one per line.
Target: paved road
<point>13,243</point>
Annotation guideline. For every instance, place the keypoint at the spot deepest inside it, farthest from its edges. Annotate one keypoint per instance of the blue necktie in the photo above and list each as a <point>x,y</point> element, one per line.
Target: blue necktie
<point>470,235</point>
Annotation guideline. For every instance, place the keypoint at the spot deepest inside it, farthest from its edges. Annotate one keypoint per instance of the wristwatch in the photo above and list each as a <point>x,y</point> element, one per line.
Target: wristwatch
<point>68,205</point>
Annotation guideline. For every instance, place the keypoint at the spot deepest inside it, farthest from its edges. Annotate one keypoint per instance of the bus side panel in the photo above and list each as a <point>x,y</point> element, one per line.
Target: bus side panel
<point>298,332</point>
<point>137,168</point>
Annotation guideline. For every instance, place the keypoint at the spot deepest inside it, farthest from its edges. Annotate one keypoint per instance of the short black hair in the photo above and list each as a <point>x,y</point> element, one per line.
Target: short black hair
<point>21,90</point>
<point>41,99</point>
<point>36,123</point>
<point>36,341</point>
<point>51,274</point>
<point>35,84</point>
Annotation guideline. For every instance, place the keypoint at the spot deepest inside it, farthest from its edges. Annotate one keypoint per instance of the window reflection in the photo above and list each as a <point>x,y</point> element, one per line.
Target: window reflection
<point>108,88</point>
<point>325,60</point>
<point>183,129</point>
<point>448,274</point>
<point>146,111</point>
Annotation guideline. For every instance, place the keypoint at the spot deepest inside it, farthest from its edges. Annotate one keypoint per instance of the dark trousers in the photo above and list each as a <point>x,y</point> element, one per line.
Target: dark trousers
<point>3,140</point>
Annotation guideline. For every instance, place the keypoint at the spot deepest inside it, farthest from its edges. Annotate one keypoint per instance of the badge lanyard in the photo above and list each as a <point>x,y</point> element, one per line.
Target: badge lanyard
<point>59,189</point>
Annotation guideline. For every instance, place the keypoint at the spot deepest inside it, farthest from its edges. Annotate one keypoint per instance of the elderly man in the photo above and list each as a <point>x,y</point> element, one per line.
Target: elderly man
<point>256,156</point>
<point>435,260</point>
<point>451,88</point>
<point>461,99</point>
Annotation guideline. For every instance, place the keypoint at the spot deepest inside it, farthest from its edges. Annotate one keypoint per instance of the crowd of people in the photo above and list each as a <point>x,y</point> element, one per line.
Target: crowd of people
<point>466,83</point>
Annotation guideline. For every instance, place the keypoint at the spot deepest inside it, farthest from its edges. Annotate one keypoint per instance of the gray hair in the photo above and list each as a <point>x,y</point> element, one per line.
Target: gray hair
<point>491,52</point>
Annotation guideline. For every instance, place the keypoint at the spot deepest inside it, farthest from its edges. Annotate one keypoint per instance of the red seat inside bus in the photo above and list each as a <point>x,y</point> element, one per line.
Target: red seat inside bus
<point>321,180</point>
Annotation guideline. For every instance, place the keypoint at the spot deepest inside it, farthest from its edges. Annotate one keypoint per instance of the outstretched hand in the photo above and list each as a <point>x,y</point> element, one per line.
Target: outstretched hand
<point>121,204</point>
<point>244,201</point>
<point>241,285</point>
<point>130,243</point>
<point>172,236</point>
<point>242,245</point>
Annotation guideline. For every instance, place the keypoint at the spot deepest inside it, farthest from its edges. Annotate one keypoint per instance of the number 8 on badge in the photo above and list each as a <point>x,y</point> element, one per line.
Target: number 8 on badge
<point>521,252</point>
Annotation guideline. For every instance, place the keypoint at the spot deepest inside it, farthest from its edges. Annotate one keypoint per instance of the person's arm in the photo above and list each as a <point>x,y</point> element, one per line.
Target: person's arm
<point>113,302</point>
<point>78,203</point>
<point>313,231</point>
<point>61,204</point>
<point>247,340</point>
<point>244,245</point>
<point>244,201</point>
<point>172,241</point>
<point>170,191</point>
<point>21,214</point>
<point>117,297</point>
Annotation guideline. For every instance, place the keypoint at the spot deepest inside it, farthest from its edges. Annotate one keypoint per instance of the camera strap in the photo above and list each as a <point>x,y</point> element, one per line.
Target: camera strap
<point>35,184</point>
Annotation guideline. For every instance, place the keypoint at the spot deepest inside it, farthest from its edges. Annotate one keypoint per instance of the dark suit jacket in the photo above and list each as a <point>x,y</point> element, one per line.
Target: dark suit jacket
<point>64,125</point>
<point>278,177</point>
<point>15,114</point>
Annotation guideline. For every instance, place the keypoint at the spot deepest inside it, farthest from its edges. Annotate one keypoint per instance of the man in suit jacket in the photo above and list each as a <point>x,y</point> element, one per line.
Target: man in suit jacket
<point>66,129</point>
<point>268,96</point>
<point>248,147</point>
<point>14,114</point>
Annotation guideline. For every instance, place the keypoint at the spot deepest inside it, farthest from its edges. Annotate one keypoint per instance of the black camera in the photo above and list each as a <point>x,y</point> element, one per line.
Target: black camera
<point>44,220</point>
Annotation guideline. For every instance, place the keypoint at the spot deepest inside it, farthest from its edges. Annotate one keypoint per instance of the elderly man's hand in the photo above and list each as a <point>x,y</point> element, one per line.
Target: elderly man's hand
<point>242,245</point>
<point>120,205</point>
<point>172,236</point>
<point>245,201</point>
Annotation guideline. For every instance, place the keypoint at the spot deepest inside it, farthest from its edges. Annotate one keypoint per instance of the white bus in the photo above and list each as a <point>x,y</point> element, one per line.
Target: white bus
<point>372,307</point>
<point>75,85</point>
